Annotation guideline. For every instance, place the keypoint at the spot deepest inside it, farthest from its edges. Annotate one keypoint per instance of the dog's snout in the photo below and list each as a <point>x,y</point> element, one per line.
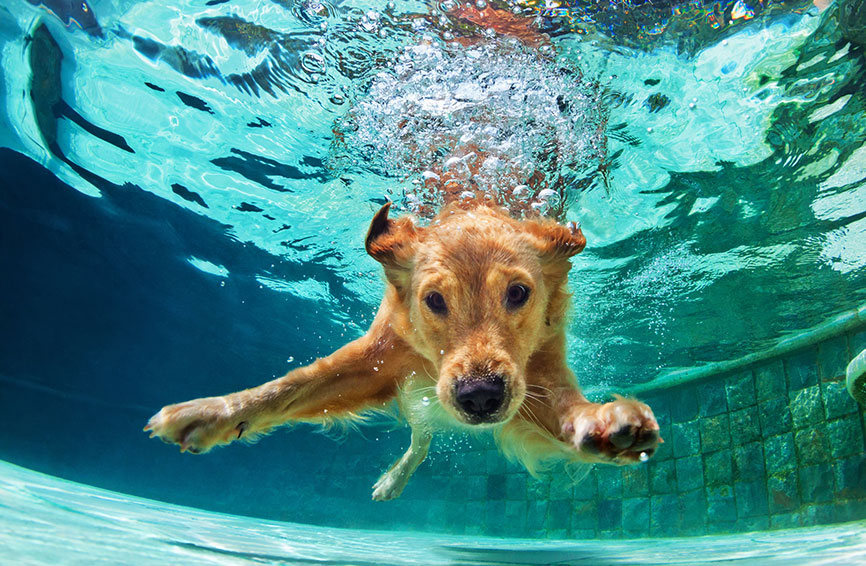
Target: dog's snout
<point>480,398</point>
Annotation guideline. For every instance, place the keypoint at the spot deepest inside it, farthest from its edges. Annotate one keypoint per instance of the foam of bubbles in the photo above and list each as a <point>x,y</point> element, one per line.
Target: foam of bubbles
<point>495,120</point>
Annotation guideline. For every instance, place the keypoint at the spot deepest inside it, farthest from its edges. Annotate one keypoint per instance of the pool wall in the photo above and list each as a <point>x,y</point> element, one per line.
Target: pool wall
<point>774,444</point>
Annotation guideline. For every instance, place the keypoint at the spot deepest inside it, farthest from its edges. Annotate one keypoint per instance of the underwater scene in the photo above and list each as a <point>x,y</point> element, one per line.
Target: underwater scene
<point>555,282</point>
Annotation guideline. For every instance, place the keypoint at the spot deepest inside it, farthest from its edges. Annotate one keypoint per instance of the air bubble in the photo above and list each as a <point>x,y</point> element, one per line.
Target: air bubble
<point>425,401</point>
<point>644,456</point>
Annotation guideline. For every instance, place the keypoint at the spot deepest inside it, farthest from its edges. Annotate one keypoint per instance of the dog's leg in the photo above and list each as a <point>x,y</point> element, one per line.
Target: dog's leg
<point>623,431</point>
<point>620,432</point>
<point>364,374</point>
<point>392,482</point>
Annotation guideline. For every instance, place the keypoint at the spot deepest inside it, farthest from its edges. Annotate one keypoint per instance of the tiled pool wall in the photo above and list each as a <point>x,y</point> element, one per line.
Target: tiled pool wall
<point>773,445</point>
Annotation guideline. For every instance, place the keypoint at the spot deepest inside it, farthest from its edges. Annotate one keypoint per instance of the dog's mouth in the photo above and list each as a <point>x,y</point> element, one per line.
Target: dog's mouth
<point>481,400</point>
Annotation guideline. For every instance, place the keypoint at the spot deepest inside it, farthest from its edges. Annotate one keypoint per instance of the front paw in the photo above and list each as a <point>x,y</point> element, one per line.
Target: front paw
<point>196,426</point>
<point>621,432</point>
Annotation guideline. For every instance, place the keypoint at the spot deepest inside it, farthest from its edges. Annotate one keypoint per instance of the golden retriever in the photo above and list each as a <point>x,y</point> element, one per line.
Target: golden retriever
<point>471,332</point>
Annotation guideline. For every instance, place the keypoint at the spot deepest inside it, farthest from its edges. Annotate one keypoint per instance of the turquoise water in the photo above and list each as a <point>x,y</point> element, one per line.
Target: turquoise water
<point>185,188</point>
<point>52,521</point>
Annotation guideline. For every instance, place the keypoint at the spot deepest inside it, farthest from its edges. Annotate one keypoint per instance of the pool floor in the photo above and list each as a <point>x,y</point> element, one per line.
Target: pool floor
<point>49,521</point>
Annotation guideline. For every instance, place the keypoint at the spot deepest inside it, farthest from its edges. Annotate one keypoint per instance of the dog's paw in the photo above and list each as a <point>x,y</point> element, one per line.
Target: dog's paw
<point>390,485</point>
<point>196,426</point>
<point>620,432</point>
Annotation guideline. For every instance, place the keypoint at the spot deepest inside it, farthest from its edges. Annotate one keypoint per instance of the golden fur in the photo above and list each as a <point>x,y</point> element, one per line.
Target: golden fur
<point>473,257</point>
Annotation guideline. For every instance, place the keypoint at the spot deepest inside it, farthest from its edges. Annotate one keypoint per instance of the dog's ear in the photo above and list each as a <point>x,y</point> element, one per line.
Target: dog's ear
<point>392,242</point>
<point>555,241</point>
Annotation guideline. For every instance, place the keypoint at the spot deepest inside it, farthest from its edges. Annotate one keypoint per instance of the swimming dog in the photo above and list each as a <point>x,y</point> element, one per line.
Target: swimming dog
<point>470,333</point>
<point>474,317</point>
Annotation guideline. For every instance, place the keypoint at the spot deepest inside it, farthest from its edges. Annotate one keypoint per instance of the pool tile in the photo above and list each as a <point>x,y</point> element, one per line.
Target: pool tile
<point>775,416</point>
<point>715,432</point>
<point>784,492</point>
<point>816,483</point>
<point>664,515</point>
<point>802,369</point>
<point>779,454</point>
<point>635,480</point>
<point>610,514</point>
<point>713,398</point>
<point>770,380</point>
<point>806,407</point>
<point>685,404</point>
<point>850,476</point>
<point>690,474</point>
<point>812,445</point>
<point>837,401</point>
<point>662,477</point>
<point>686,438</point>
<point>745,425</point>
<point>609,481</point>
<point>721,506</point>
<point>749,462</point>
<point>636,516</point>
<point>741,390</point>
<point>833,358</point>
<point>584,516</point>
<point>693,511</point>
<point>718,468</point>
<point>751,498</point>
<point>845,437</point>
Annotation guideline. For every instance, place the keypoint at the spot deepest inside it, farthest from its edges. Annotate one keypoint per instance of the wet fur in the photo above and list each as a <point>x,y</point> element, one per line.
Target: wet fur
<point>470,254</point>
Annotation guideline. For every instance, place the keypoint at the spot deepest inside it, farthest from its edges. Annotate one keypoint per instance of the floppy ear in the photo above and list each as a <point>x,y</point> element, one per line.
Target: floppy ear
<point>555,241</point>
<point>392,242</point>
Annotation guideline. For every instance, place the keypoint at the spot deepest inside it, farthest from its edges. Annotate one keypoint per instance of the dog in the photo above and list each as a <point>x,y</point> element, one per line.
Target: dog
<point>470,332</point>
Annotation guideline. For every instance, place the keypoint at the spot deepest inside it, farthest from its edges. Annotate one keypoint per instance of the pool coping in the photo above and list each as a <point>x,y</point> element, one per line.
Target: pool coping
<point>847,321</point>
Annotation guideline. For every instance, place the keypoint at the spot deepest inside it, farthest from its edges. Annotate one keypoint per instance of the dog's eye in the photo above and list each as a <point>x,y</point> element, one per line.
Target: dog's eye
<point>436,303</point>
<point>516,296</point>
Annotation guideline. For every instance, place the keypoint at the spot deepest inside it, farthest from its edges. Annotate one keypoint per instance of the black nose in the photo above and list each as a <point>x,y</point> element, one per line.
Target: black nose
<point>480,398</point>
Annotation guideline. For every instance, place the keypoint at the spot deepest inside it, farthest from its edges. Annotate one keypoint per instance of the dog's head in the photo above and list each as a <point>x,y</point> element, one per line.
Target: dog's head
<point>476,293</point>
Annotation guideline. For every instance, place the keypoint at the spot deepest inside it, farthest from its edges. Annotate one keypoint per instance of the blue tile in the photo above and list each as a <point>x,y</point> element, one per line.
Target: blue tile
<point>751,498</point>
<point>740,390</point>
<point>721,506</point>
<point>837,401</point>
<point>684,404</point>
<point>693,510</point>
<point>664,515</point>
<point>806,407</point>
<point>718,468</point>
<point>610,514</point>
<point>635,480</point>
<point>779,453</point>
<point>715,433</point>
<point>845,437</point>
<point>775,416</point>
<point>745,426</point>
<point>585,516</point>
<point>662,477</point>
<point>559,514</point>
<point>496,486</point>
<point>770,380</point>
<point>784,492</point>
<point>690,473</point>
<point>686,438</point>
<point>636,516</point>
<point>713,398</point>
<point>850,477</point>
<point>609,481</point>
<point>802,369</point>
<point>816,483</point>
<point>749,462</point>
<point>812,446</point>
<point>515,487</point>
<point>833,358</point>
